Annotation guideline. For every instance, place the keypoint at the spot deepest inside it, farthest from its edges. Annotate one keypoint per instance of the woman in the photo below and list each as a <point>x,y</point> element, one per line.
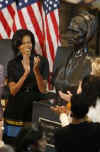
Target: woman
<point>27,80</point>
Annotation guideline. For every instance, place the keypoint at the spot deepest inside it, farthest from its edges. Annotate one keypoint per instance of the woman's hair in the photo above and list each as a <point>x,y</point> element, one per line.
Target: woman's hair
<point>28,136</point>
<point>17,39</point>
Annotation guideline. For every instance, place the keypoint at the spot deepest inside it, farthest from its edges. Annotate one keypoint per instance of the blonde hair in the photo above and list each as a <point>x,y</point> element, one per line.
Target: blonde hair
<point>95,63</point>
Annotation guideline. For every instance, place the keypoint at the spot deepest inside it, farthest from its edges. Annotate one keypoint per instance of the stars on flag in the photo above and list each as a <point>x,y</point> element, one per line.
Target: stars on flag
<point>50,5</point>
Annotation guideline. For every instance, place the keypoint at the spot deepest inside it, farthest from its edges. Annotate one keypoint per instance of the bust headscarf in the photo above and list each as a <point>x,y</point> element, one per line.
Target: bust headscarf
<point>81,28</point>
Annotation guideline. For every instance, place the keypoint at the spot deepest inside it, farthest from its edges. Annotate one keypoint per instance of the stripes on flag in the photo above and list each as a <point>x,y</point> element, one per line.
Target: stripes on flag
<point>30,17</point>
<point>51,28</point>
<point>43,21</point>
<point>7,13</point>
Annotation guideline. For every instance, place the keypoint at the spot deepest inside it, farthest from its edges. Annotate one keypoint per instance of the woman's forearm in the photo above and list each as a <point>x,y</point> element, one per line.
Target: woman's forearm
<point>42,84</point>
<point>15,87</point>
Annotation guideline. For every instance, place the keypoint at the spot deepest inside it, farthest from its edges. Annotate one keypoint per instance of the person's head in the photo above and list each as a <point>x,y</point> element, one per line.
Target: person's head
<point>79,106</point>
<point>22,40</point>
<point>81,29</point>
<point>91,87</point>
<point>6,148</point>
<point>31,138</point>
<point>95,63</point>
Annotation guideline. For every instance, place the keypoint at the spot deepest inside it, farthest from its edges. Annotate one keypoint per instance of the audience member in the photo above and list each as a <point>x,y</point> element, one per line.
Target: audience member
<point>81,134</point>
<point>27,82</point>
<point>31,139</point>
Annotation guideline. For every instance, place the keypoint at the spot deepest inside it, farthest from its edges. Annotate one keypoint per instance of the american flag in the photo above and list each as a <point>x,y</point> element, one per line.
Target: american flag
<point>42,20</point>
<point>29,16</point>
<point>51,28</point>
<point>7,13</point>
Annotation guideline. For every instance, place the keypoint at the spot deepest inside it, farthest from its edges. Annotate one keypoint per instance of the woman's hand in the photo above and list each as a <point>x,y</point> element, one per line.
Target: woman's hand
<point>36,64</point>
<point>26,63</point>
<point>41,83</point>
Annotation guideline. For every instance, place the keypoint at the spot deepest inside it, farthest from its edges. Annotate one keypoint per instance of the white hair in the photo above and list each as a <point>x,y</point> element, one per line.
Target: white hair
<point>94,112</point>
<point>96,4</point>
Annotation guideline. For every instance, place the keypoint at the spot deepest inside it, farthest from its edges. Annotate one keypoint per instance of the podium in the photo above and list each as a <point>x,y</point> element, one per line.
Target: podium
<point>42,109</point>
<point>48,119</point>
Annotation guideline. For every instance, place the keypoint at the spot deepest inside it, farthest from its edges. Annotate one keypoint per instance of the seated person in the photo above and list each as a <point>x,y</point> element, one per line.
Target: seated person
<point>81,134</point>
<point>27,81</point>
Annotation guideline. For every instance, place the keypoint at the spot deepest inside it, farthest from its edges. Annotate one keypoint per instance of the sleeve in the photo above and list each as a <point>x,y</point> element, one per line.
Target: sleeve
<point>44,68</point>
<point>11,70</point>
<point>1,75</point>
<point>1,79</point>
<point>58,139</point>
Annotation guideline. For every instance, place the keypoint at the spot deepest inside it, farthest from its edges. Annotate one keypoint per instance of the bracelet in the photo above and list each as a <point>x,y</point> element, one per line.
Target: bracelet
<point>1,143</point>
<point>2,128</point>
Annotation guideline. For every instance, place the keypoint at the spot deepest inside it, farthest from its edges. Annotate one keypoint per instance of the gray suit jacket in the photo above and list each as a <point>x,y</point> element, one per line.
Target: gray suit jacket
<point>1,79</point>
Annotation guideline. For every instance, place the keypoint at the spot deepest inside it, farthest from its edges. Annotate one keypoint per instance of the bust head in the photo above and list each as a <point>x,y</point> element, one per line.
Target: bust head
<point>81,28</point>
